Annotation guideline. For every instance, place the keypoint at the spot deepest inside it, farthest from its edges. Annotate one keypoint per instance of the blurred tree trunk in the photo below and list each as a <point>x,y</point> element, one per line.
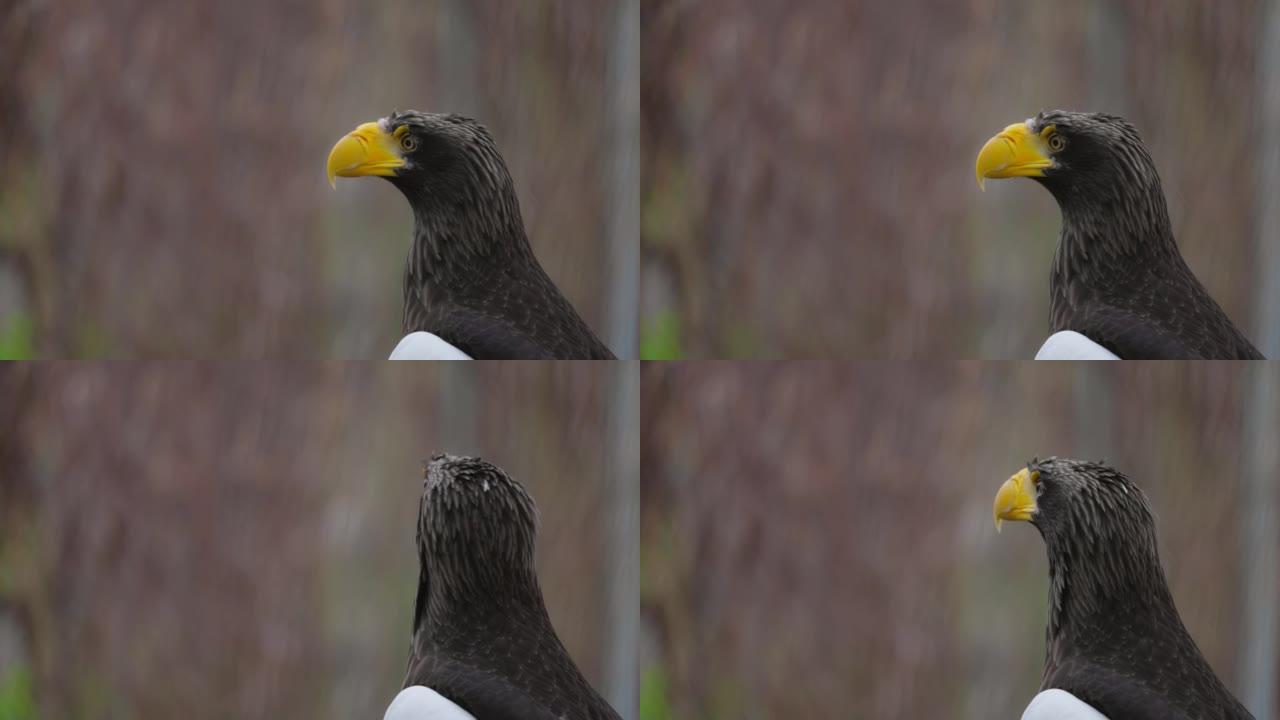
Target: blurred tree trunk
<point>456,58</point>
<point>1259,534</point>
<point>17,514</point>
<point>1107,41</point>
<point>21,259</point>
<point>1091,392</point>
<point>1268,223</point>
<point>1091,404</point>
<point>456,78</point>
<point>457,411</point>
<point>624,181</point>
<point>623,610</point>
<point>1259,538</point>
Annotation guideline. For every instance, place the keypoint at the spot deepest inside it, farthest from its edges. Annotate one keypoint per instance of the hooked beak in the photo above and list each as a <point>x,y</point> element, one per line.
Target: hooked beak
<point>367,150</point>
<point>1015,152</point>
<point>1016,499</point>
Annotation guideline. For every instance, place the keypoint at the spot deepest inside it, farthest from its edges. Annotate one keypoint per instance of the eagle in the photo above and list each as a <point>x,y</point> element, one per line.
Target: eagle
<point>1119,287</point>
<point>1115,644</point>
<point>483,646</point>
<point>472,285</point>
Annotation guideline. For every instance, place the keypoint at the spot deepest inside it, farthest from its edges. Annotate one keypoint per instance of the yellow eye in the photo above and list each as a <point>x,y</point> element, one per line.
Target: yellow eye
<point>408,142</point>
<point>1057,143</point>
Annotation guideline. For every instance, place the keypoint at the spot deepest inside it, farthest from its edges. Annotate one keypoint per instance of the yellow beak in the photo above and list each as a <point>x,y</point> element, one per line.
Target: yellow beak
<point>1016,499</point>
<point>1015,152</point>
<point>367,150</point>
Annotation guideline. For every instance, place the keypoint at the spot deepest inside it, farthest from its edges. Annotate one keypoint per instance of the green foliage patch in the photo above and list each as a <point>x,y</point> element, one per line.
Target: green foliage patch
<point>660,337</point>
<point>653,695</point>
<point>16,701</point>
<point>16,339</point>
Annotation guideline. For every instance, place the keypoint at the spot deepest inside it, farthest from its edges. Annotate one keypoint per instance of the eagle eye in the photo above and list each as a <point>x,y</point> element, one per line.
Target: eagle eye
<point>408,142</point>
<point>1057,143</point>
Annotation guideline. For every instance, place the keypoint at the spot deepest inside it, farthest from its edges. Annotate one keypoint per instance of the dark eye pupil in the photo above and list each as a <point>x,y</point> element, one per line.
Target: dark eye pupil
<point>408,143</point>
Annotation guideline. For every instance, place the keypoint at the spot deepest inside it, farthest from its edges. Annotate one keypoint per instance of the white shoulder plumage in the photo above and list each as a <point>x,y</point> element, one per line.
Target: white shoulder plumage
<point>1060,705</point>
<point>425,346</point>
<point>1071,345</point>
<point>423,703</point>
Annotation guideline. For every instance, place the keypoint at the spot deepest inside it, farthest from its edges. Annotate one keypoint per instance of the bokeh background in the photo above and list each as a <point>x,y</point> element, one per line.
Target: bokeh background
<point>164,193</point>
<point>817,541</point>
<point>205,541</point>
<point>808,182</point>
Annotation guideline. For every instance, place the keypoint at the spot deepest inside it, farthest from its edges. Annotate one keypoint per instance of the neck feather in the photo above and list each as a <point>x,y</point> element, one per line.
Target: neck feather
<point>1106,226</point>
<point>1105,578</point>
<point>447,237</point>
<point>458,593</point>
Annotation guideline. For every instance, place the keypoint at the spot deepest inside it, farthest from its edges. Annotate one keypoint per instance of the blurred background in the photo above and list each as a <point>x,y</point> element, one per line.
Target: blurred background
<point>204,541</point>
<point>817,541</point>
<point>164,192</point>
<point>808,182</point>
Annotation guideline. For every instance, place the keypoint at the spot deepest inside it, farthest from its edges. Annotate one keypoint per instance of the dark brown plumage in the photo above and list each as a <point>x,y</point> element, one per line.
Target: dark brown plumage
<point>1118,277</point>
<point>471,276</point>
<point>481,634</point>
<point>1115,639</point>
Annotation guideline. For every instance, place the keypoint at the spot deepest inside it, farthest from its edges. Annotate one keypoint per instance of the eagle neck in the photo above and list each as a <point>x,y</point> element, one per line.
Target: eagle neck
<point>1105,230</point>
<point>1107,579</point>
<point>449,599</point>
<point>457,248</point>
